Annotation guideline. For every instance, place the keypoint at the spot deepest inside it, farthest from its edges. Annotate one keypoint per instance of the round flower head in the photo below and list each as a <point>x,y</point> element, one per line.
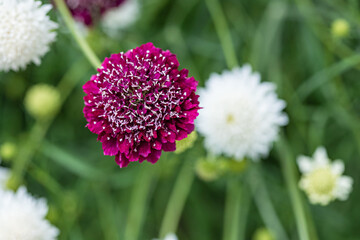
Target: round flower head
<point>120,17</point>
<point>42,101</point>
<point>23,217</point>
<point>322,180</point>
<point>88,11</point>
<point>25,33</point>
<point>140,103</point>
<point>241,116</point>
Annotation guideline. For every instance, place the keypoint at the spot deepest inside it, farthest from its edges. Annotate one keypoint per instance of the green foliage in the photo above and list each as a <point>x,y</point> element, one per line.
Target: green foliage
<point>289,42</point>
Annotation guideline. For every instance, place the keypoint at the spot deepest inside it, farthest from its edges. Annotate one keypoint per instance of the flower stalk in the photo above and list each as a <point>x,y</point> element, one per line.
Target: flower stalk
<point>233,208</point>
<point>289,171</point>
<point>177,199</point>
<point>138,202</point>
<point>84,46</point>
<point>223,32</point>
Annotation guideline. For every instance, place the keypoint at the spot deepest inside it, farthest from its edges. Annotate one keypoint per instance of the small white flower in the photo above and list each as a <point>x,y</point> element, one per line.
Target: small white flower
<point>322,180</point>
<point>121,17</point>
<point>22,217</point>
<point>241,116</point>
<point>25,33</point>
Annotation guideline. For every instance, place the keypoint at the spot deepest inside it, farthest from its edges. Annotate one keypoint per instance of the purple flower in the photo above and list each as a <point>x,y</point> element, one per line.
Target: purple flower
<point>140,103</point>
<point>87,11</point>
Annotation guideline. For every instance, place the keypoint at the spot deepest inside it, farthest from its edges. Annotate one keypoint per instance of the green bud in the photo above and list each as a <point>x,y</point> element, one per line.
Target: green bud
<point>263,234</point>
<point>186,143</point>
<point>42,101</point>
<point>340,28</point>
<point>13,183</point>
<point>234,166</point>
<point>7,151</point>
<point>209,170</point>
<point>53,214</point>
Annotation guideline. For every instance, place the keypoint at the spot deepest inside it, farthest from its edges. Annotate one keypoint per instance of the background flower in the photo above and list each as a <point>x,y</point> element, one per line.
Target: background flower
<point>116,19</point>
<point>89,11</point>
<point>23,217</point>
<point>322,180</point>
<point>241,116</point>
<point>25,33</point>
<point>140,103</point>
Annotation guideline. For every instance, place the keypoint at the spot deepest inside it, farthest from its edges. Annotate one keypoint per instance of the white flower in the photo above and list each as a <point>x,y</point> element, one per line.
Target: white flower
<point>4,177</point>
<point>25,33</point>
<point>116,19</point>
<point>22,217</point>
<point>241,116</point>
<point>322,180</point>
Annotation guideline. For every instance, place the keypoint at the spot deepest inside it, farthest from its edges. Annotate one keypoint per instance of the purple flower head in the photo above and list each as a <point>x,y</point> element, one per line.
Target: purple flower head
<point>140,103</point>
<point>87,11</point>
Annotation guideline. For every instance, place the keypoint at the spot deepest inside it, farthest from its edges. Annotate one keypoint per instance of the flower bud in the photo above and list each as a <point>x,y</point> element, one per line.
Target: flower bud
<point>340,28</point>
<point>42,101</point>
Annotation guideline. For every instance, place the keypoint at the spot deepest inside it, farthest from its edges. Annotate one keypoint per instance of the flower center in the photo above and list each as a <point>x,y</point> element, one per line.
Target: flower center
<point>230,119</point>
<point>322,181</point>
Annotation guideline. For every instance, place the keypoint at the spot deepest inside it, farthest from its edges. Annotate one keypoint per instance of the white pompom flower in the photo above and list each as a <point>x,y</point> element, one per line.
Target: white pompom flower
<point>241,116</point>
<point>25,33</point>
<point>322,179</point>
<point>121,17</point>
<point>22,217</point>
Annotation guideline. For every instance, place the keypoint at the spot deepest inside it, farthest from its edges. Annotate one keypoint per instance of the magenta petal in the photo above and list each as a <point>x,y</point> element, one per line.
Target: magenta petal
<point>154,156</point>
<point>95,126</point>
<point>134,155</point>
<point>123,145</point>
<point>121,160</point>
<point>90,87</point>
<point>156,145</point>
<point>169,147</point>
<point>144,149</point>
<point>109,145</point>
<point>181,135</point>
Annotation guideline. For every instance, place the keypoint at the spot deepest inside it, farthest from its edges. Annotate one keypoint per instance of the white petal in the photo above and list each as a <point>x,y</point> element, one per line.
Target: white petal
<point>320,157</point>
<point>343,187</point>
<point>305,164</point>
<point>337,167</point>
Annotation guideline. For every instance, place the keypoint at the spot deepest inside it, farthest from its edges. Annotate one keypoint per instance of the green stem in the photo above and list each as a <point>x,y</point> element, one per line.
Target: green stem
<point>264,204</point>
<point>177,199</point>
<point>106,212</point>
<point>46,180</point>
<point>138,202</point>
<point>84,46</point>
<point>289,171</point>
<point>232,210</point>
<point>223,32</point>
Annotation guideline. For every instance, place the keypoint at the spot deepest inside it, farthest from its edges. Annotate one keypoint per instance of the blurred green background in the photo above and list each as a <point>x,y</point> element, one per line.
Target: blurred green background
<point>291,43</point>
